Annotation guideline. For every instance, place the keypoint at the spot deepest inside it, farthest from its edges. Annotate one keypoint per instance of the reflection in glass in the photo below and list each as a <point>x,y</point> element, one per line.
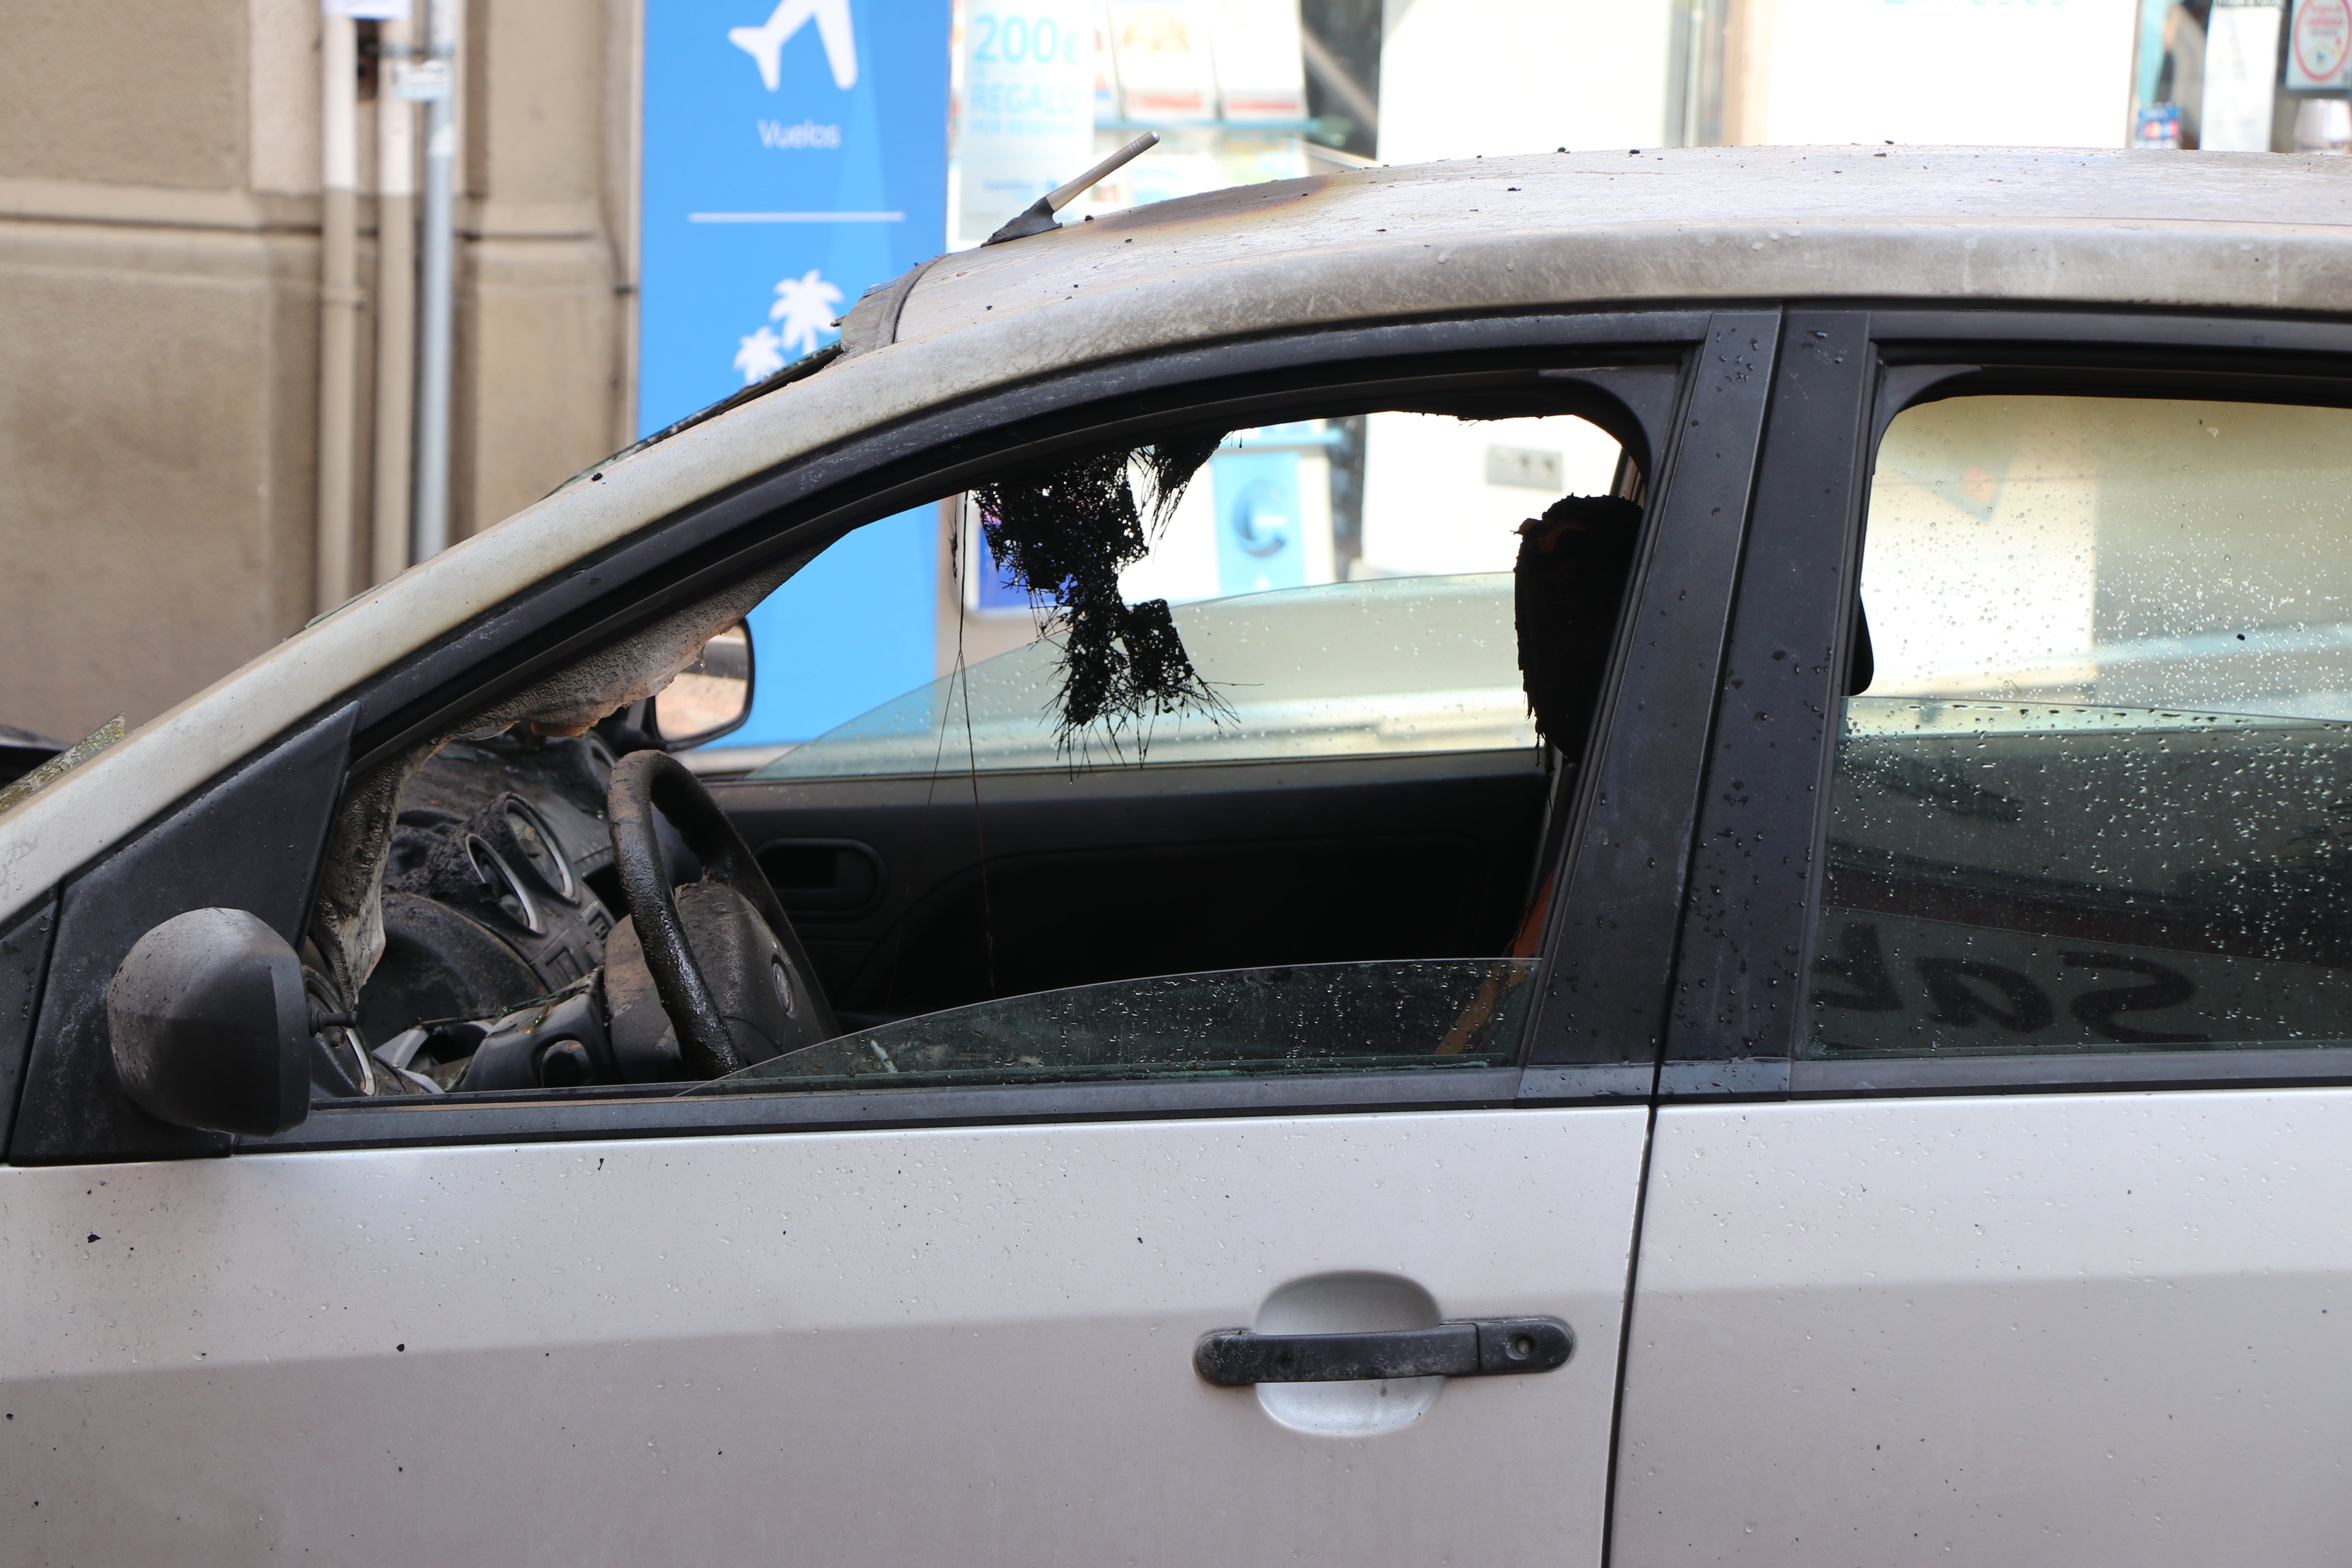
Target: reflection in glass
<point>2013,878</point>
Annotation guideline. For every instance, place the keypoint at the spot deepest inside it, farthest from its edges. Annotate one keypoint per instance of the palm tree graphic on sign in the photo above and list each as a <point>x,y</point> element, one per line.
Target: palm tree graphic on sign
<point>759,356</point>
<point>805,306</point>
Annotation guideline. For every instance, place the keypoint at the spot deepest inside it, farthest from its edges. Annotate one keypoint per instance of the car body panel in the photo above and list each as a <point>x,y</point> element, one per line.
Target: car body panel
<point>2080,1329</point>
<point>2038,1326</point>
<point>964,1344</point>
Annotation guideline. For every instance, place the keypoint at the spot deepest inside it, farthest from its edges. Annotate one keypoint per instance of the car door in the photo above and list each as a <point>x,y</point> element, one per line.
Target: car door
<point>1996,1203</point>
<point>836,1320</point>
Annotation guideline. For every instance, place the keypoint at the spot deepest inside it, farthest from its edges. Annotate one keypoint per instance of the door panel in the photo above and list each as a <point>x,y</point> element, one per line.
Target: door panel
<point>2068,1329</point>
<point>951,1346</point>
<point>1115,873</point>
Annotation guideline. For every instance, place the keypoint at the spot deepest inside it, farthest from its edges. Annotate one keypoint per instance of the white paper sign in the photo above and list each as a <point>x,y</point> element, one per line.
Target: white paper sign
<point>2240,56</point>
<point>1260,73</point>
<point>1164,63</point>
<point>1951,72</point>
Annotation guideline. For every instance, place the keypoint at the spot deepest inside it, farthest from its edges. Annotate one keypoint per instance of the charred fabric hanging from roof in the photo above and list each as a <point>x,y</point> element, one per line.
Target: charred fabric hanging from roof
<point>1062,535</point>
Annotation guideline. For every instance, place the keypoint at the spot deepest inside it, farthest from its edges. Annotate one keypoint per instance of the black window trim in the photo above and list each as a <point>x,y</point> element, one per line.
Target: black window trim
<point>1747,1046</point>
<point>1620,890</point>
<point>2085,1071</point>
<point>24,965</point>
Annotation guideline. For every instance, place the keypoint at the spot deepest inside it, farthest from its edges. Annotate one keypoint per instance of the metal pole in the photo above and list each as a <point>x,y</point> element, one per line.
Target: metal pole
<point>396,295</point>
<point>625,204</point>
<point>339,299</point>
<point>434,345</point>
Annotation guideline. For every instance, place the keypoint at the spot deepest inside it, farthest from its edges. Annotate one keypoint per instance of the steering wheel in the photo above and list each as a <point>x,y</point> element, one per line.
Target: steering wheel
<point>729,970</point>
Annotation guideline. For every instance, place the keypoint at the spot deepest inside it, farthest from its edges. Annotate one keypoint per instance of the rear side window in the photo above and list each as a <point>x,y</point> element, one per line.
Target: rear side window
<point>2096,794</point>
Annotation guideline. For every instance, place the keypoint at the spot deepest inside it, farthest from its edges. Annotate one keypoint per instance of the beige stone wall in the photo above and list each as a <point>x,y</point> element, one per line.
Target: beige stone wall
<point>159,311</point>
<point>1747,70</point>
<point>125,92</point>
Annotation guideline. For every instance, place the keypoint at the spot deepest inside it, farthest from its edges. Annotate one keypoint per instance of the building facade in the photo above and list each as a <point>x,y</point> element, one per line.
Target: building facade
<point>159,180</point>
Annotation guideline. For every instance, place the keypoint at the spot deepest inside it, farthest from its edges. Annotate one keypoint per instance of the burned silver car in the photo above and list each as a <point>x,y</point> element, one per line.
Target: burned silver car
<point>1636,856</point>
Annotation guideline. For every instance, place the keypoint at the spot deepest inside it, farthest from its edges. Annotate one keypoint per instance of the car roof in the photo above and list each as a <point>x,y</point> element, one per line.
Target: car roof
<point>1618,228</point>
<point>1627,226</point>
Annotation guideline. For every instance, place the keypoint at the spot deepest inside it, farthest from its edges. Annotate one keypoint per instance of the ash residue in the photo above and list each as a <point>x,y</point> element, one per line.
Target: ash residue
<point>1062,535</point>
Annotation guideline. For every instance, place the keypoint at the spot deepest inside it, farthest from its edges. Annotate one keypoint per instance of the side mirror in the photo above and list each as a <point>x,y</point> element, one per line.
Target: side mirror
<point>709,698</point>
<point>211,1027</point>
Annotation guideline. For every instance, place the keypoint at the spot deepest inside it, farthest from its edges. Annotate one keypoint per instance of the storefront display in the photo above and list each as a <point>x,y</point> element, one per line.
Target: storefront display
<point>1025,106</point>
<point>2246,76</point>
<point>1042,88</point>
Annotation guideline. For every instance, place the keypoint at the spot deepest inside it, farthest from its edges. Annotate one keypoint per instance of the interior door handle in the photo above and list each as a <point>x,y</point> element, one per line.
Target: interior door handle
<point>1475,1347</point>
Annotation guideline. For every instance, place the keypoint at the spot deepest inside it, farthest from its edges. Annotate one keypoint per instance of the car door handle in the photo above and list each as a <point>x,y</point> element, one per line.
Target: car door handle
<point>1475,1347</point>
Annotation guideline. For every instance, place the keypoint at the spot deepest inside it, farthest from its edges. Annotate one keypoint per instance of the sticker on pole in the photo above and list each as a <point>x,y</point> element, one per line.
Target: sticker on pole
<point>420,82</point>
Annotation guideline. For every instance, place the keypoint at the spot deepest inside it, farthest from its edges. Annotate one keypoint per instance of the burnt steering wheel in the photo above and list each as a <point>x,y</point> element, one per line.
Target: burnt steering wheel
<point>729,970</point>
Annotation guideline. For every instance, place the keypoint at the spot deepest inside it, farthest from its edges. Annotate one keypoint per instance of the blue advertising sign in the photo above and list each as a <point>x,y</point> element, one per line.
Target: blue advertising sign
<point>1259,541</point>
<point>791,163</point>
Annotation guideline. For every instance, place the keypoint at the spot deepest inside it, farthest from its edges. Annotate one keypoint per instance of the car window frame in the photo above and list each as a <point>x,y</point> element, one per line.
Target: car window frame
<point>1643,360</point>
<point>1746,947</point>
<point>1609,362</point>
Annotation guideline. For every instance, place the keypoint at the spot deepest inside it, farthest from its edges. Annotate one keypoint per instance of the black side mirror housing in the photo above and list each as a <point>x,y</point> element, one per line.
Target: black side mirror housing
<point>211,1027</point>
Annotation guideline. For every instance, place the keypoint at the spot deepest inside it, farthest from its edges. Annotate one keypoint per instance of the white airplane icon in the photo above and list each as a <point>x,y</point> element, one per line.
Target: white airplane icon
<point>765,44</point>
